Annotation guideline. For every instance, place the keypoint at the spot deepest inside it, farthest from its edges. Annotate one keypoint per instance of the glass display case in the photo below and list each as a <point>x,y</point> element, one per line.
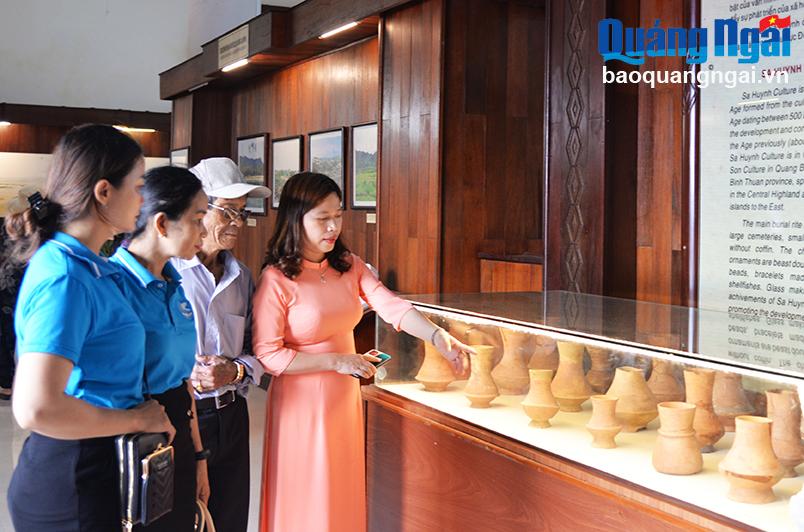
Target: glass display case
<point>696,405</point>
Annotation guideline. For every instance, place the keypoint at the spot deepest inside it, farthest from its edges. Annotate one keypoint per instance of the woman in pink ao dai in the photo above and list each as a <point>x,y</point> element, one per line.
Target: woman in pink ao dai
<point>307,304</point>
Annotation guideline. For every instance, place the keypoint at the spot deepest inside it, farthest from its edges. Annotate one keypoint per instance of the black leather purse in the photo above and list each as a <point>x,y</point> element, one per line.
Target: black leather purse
<point>146,476</point>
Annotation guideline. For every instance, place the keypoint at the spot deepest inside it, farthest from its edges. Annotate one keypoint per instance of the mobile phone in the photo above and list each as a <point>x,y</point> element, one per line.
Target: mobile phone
<point>384,359</point>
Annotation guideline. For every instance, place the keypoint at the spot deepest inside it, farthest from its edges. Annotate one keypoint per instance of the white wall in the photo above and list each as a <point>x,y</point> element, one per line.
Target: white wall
<point>106,53</point>
<point>210,19</point>
<point>91,53</point>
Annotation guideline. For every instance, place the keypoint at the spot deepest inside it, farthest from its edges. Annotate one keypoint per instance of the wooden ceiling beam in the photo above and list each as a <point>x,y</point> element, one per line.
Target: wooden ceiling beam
<point>285,35</point>
<point>47,115</point>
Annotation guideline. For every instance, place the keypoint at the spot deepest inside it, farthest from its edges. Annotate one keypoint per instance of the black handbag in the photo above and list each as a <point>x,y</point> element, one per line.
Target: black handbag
<point>146,476</point>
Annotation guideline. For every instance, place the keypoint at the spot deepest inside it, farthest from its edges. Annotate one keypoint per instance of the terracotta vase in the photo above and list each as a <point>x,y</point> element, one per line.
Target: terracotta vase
<point>677,451</point>
<point>435,373</point>
<point>603,424</point>
<point>729,399</point>
<point>463,332</point>
<point>636,406</point>
<point>545,354</point>
<point>511,374</point>
<point>663,382</point>
<point>708,428</point>
<point>569,385</point>
<point>784,410</point>
<point>750,465</point>
<point>459,330</point>
<point>540,405</point>
<point>633,360</point>
<point>480,388</point>
<point>485,335</point>
<point>601,373</point>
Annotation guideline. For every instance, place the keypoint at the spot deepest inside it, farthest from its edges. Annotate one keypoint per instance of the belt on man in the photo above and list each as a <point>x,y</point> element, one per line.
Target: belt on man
<point>216,403</point>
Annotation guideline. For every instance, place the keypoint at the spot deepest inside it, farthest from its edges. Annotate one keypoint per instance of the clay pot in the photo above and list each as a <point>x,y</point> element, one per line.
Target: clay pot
<point>636,406</point>
<point>486,336</point>
<point>569,385</point>
<point>663,382</point>
<point>677,451</point>
<point>708,428</point>
<point>758,402</point>
<point>603,424</point>
<point>480,389</point>
<point>465,332</point>
<point>545,354</point>
<point>633,360</point>
<point>601,373</point>
<point>729,399</point>
<point>784,410</point>
<point>540,405</point>
<point>435,373</point>
<point>511,374</point>
<point>750,465</point>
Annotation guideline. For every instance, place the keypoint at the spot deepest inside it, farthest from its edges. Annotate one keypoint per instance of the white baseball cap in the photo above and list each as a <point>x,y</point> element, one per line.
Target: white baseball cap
<point>221,178</point>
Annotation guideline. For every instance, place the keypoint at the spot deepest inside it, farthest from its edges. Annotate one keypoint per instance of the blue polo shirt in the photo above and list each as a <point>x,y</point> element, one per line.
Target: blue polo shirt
<point>71,305</point>
<point>168,319</point>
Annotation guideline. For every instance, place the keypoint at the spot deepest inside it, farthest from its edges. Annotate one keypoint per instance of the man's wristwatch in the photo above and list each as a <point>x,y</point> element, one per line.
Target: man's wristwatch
<point>203,454</point>
<point>241,372</point>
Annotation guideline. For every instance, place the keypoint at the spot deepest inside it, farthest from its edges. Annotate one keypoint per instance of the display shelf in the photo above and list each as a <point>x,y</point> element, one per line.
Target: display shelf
<point>631,460</point>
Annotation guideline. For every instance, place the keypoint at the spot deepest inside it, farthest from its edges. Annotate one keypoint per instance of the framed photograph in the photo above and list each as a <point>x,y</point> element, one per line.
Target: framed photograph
<point>251,158</point>
<point>326,154</point>
<point>180,157</point>
<point>286,161</point>
<point>364,167</point>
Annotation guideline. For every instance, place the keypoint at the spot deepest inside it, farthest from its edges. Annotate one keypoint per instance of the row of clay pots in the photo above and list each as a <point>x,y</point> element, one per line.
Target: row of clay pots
<point>751,465</point>
<point>522,351</point>
<point>636,402</point>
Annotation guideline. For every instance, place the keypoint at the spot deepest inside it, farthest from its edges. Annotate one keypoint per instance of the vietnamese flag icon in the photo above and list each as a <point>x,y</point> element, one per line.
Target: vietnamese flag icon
<point>774,21</point>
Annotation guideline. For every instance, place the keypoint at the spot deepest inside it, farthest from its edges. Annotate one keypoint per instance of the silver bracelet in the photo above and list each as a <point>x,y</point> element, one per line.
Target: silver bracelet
<point>432,336</point>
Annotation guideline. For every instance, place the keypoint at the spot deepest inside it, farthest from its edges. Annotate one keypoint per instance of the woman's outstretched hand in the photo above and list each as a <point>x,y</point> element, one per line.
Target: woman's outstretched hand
<point>455,351</point>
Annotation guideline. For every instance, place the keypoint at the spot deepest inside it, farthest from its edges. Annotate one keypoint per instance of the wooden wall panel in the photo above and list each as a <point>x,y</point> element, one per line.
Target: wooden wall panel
<point>181,122</point>
<point>410,176</point>
<point>501,276</point>
<point>335,90</point>
<point>211,124</point>
<point>575,210</point>
<point>27,138</point>
<point>153,144</point>
<point>659,171</point>
<point>622,132</point>
<point>493,145</point>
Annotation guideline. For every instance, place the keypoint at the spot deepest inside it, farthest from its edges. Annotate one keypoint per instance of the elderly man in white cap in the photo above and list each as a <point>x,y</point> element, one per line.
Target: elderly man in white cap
<point>219,288</point>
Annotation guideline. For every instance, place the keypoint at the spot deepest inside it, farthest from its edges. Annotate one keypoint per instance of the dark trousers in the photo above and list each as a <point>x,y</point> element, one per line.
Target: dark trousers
<point>182,517</point>
<point>7,341</point>
<point>225,434</point>
<point>65,485</point>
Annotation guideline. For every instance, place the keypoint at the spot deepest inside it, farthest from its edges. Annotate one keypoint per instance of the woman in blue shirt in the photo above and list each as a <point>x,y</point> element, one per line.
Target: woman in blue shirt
<point>81,346</point>
<point>170,224</point>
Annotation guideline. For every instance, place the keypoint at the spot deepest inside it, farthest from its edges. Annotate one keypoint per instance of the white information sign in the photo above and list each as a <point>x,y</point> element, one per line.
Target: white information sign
<point>751,238</point>
<point>233,46</point>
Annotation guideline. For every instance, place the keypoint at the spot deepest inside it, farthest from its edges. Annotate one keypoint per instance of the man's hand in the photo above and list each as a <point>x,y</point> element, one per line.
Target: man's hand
<point>211,372</point>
